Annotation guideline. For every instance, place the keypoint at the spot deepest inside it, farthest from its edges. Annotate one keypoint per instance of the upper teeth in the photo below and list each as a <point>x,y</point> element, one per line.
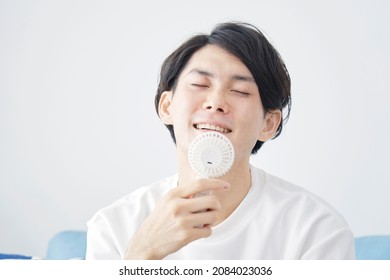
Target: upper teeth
<point>212,127</point>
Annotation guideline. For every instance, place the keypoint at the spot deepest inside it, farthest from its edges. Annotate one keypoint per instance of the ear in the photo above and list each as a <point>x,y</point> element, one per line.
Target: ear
<point>164,107</point>
<point>271,123</point>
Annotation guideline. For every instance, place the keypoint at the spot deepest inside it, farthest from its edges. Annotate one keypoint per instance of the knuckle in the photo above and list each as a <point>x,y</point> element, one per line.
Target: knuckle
<point>168,197</point>
<point>213,216</point>
<point>172,193</point>
<point>198,184</point>
<point>215,202</point>
<point>183,235</point>
<point>174,209</point>
<point>207,232</point>
<point>182,224</point>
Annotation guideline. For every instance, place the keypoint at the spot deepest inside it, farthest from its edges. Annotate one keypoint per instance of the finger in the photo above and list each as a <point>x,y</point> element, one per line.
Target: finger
<point>200,232</point>
<point>204,219</point>
<point>197,204</point>
<point>202,185</point>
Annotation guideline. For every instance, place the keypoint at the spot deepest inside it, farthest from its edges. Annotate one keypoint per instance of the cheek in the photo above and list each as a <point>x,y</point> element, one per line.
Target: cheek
<point>181,109</point>
<point>251,112</point>
<point>185,103</point>
<point>252,121</point>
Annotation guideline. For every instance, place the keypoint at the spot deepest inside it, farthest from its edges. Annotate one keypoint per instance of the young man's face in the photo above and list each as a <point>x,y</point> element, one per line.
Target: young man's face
<point>216,91</point>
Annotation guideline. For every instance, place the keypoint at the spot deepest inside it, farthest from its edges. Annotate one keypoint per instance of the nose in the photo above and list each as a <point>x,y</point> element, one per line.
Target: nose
<point>216,101</point>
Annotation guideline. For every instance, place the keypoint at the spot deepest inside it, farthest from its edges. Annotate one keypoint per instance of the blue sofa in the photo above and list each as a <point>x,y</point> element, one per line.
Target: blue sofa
<point>72,245</point>
<point>374,247</point>
<point>64,245</point>
<point>67,245</point>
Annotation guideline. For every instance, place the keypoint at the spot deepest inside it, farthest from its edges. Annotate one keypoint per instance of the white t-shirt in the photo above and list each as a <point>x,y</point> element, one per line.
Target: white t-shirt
<point>276,220</point>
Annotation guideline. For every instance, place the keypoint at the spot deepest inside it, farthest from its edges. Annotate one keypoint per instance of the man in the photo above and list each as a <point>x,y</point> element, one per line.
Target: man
<point>233,82</point>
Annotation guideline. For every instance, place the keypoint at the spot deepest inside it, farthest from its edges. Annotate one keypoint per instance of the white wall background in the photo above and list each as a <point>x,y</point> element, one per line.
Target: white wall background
<point>77,123</point>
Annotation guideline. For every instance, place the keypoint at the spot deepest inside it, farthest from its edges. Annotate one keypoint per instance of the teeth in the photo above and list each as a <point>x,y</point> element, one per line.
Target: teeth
<point>212,127</point>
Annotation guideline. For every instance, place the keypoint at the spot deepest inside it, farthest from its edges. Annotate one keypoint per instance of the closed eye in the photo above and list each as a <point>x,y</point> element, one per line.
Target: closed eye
<point>199,85</point>
<point>242,93</point>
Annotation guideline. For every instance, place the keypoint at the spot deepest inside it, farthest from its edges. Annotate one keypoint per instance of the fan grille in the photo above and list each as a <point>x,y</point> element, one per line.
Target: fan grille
<point>211,154</point>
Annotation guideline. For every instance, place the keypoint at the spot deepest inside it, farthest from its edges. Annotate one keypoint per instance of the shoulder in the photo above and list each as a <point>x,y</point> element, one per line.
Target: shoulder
<point>294,200</point>
<point>317,229</point>
<point>110,228</point>
<point>138,203</point>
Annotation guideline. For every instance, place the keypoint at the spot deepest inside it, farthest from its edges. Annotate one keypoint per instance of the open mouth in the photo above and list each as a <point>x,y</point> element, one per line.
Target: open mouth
<point>211,127</point>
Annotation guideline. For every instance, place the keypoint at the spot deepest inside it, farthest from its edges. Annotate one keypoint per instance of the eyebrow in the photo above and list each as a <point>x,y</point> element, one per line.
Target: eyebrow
<point>211,75</point>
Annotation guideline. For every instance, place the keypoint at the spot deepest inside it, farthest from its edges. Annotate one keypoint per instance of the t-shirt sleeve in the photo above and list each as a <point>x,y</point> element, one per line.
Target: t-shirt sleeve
<point>100,243</point>
<point>337,246</point>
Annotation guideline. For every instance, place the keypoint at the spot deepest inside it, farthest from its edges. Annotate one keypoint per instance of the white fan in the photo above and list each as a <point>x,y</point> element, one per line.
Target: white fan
<point>211,154</point>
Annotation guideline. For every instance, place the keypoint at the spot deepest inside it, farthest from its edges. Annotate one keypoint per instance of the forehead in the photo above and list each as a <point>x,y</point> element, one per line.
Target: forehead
<point>217,61</point>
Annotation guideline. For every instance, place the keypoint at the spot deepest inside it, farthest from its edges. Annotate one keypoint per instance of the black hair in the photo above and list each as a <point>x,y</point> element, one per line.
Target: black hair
<point>248,43</point>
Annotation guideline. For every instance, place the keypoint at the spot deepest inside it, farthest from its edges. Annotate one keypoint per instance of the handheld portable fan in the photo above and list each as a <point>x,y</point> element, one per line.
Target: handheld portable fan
<point>211,154</point>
